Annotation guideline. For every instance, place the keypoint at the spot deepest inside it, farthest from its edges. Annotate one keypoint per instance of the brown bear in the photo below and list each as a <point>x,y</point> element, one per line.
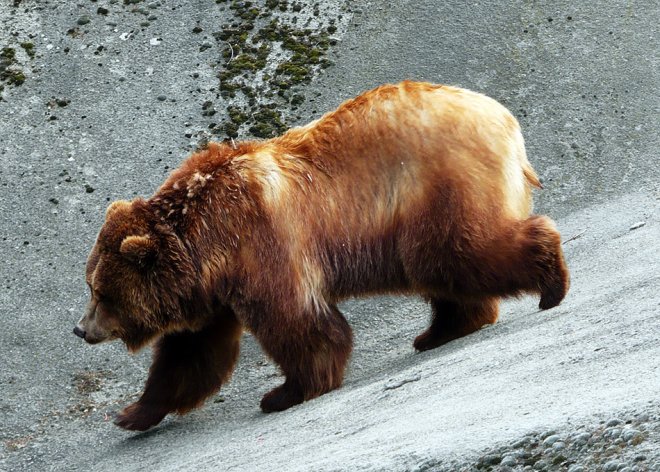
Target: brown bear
<point>412,188</point>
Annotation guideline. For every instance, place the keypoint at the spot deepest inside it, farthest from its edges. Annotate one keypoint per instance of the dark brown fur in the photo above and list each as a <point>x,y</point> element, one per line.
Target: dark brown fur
<point>409,188</point>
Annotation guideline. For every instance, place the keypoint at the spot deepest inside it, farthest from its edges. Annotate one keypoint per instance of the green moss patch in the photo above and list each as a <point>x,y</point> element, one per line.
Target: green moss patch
<point>266,59</point>
<point>10,70</point>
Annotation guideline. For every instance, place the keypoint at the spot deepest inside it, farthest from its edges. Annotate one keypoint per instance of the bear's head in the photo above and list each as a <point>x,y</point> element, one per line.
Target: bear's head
<point>139,274</point>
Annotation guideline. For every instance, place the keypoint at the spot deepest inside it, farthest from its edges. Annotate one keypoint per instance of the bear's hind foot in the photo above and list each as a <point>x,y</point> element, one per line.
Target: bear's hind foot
<point>139,417</point>
<point>282,397</point>
<point>552,296</point>
<point>453,319</point>
<point>430,340</point>
<point>543,249</point>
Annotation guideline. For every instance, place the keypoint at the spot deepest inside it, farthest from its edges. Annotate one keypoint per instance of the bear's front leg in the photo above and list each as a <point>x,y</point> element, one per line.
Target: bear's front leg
<point>312,351</point>
<point>187,368</point>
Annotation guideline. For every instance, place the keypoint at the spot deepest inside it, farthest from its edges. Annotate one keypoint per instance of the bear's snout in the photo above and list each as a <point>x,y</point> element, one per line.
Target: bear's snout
<point>79,332</point>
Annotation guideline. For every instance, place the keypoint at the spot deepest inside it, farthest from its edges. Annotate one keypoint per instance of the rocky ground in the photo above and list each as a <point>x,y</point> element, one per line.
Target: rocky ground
<point>627,444</point>
<point>101,99</point>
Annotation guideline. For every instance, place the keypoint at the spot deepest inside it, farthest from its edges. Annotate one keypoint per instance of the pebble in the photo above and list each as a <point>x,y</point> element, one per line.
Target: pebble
<point>102,11</point>
<point>520,443</point>
<point>558,459</point>
<point>559,445</point>
<point>582,439</point>
<point>576,468</point>
<point>490,459</point>
<point>83,20</point>
<point>611,433</point>
<point>550,440</point>
<point>632,435</point>
<point>637,225</point>
<point>613,422</point>
<point>611,466</point>
<point>548,433</point>
<point>541,465</point>
<point>508,461</point>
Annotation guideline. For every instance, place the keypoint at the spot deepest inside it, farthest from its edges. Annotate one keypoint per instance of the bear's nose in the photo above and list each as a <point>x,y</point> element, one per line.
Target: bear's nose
<point>79,332</point>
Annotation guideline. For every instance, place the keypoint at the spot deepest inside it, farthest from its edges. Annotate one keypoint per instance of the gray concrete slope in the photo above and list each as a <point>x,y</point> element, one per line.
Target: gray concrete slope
<point>582,79</point>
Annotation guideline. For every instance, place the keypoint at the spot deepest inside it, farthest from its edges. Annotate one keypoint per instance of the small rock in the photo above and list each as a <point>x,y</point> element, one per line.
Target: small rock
<point>582,439</point>
<point>520,443</point>
<point>541,465</point>
<point>508,461</point>
<point>559,459</point>
<point>611,433</point>
<point>612,450</point>
<point>89,188</point>
<point>613,422</point>
<point>102,11</point>
<point>559,445</point>
<point>548,433</point>
<point>83,20</point>
<point>639,458</point>
<point>626,469</point>
<point>611,466</point>
<point>54,201</point>
<point>489,459</point>
<point>550,440</point>
<point>576,468</point>
<point>637,225</point>
<point>630,434</point>
<point>161,98</point>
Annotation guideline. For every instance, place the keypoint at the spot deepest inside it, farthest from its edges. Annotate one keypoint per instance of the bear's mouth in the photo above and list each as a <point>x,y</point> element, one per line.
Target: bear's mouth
<point>90,337</point>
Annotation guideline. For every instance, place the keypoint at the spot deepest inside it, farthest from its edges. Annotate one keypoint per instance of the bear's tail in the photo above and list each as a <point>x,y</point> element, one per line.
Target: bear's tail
<point>528,170</point>
<point>530,175</point>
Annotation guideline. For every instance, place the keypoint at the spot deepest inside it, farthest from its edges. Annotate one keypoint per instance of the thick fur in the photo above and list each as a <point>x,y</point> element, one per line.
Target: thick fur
<point>409,188</point>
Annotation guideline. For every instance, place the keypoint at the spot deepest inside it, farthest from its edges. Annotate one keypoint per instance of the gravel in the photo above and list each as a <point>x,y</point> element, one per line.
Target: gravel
<point>630,443</point>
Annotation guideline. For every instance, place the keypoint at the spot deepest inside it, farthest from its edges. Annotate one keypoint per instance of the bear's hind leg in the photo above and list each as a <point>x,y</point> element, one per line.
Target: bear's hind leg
<point>187,367</point>
<point>454,319</point>
<point>312,356</point>
<point>540,265</point>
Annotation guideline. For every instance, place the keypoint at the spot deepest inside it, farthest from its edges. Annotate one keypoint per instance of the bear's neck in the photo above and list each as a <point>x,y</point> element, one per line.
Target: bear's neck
<point>211,206</point>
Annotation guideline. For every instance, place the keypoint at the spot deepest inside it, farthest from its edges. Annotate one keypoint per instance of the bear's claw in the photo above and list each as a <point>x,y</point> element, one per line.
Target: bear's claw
<point>139,417</point>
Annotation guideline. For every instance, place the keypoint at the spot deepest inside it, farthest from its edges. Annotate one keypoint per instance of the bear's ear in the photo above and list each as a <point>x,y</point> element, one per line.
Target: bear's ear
<point>139,249</point>
<point>119,205</point>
